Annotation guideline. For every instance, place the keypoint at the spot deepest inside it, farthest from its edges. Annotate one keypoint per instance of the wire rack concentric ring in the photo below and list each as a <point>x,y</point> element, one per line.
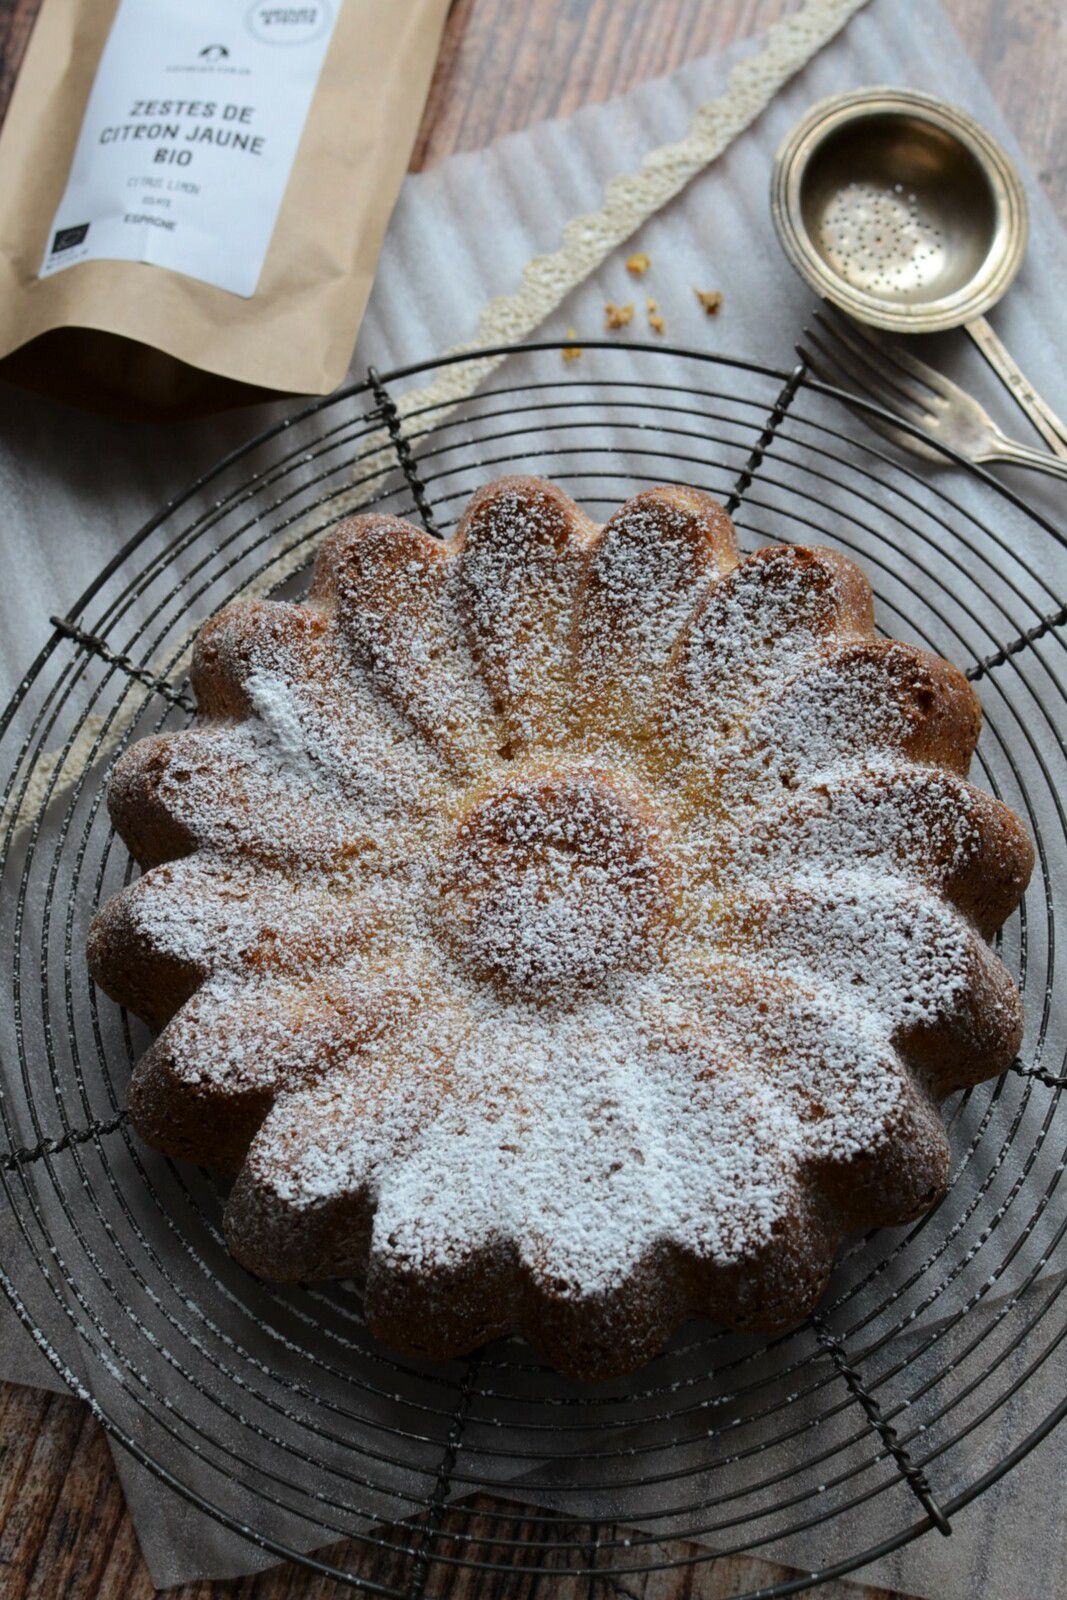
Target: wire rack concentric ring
<point>272,1411</point>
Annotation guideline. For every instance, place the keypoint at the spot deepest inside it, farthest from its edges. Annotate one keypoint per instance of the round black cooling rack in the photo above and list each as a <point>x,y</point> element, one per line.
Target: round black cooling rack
<point>937,1359</point>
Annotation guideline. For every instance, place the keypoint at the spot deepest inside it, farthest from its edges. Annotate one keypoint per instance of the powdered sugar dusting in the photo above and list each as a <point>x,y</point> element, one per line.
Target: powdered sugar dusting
<point>646,573</point>
<point>524,981</point>
<point>665,1110</point>
<point>519,565</point>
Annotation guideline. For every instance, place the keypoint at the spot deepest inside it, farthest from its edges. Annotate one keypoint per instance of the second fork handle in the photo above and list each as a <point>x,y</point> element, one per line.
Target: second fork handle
<point>1024,455</point>
<point>1023,392</point>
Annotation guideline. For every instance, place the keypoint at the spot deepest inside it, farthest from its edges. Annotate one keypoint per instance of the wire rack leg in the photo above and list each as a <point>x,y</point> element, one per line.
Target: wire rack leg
<point>786,396</point>
<point>11,1160</point>
<point>391,418</point>
<point>913,1474</point>
<point>435,1506</point>
<point>1051,1080</point>
<point>1006,651</point>
<point>97,646</point>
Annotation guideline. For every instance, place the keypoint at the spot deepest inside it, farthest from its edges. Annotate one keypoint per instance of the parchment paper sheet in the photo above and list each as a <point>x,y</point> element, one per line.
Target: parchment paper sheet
<point>73,487</point>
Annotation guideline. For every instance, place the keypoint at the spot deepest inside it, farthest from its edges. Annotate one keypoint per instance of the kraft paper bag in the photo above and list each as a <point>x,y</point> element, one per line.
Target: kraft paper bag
<point>193,194</point>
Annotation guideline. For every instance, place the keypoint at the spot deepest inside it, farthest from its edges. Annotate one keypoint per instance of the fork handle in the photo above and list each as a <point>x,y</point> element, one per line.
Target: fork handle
<point>1022,391</point>
<point>1023,455</point>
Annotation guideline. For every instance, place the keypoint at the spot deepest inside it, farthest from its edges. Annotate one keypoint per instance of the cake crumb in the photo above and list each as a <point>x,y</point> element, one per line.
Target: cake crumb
<point>710,299</point>
<point>572,352</point>
<point>618,316</point>
<point>638,264</point>
<point>655,321</point>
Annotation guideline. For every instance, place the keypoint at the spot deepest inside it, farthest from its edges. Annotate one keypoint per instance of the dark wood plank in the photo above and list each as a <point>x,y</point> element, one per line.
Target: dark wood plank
<point>503,65</point>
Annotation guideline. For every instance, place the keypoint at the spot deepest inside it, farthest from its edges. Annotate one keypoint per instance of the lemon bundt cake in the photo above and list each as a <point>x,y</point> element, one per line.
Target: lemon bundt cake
<point>561,928</point>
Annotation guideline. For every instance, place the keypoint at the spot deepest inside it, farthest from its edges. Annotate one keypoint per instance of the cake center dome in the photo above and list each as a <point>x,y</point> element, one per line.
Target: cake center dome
<point>551,882</point>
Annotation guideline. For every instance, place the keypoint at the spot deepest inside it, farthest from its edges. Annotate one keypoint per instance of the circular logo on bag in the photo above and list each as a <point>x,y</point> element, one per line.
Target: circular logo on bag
<point>288,21</point>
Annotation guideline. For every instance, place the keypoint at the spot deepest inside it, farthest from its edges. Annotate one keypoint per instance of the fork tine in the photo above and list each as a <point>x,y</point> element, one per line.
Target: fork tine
<point>895,389</point>
<point>906,364</point>
<point>862,374</point>
<point>840,367</point>
<point>831,371</point>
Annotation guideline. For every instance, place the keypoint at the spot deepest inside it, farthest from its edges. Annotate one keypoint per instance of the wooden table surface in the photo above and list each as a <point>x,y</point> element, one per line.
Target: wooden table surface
<point>504,64</point>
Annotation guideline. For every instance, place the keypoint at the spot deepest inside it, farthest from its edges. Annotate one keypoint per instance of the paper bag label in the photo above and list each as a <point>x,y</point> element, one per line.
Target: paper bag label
<point>189,135</point>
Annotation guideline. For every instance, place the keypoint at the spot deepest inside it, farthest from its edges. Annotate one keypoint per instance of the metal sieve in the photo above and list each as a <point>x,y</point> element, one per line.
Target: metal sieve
<point>909,216</point>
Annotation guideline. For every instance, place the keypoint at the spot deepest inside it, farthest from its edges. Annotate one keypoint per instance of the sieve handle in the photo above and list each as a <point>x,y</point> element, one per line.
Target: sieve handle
<point>1018,385</point>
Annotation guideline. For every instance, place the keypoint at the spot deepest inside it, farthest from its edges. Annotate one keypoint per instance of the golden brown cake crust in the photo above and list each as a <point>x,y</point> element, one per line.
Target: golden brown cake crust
<point>562,929</point>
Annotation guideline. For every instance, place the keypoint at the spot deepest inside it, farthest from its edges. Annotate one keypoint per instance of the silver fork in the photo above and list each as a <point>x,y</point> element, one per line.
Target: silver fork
<point>882,371</point>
